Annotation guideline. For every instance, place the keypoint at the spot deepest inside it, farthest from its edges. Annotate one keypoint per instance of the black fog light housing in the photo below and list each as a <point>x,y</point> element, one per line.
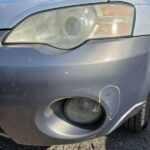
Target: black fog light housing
<point>82,110</point>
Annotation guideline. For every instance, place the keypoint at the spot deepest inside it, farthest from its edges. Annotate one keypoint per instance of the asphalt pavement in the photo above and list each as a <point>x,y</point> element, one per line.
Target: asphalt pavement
<point>121,139</point>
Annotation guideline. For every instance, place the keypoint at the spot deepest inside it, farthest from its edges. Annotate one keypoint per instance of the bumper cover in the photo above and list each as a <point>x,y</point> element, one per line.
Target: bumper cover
<point>32,76</point>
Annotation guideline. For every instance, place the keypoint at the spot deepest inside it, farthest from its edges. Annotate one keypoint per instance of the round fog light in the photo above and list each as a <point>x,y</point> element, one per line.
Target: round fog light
<point>82,110</point>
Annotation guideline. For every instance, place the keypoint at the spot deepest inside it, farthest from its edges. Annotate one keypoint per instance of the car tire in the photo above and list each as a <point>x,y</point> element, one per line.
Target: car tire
<point>140,121</point>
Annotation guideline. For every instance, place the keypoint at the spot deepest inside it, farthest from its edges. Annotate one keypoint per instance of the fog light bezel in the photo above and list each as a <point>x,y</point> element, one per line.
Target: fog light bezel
<point>94,121</point>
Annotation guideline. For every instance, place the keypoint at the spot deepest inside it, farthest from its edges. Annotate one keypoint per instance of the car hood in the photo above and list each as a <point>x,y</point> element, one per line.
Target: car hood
<point>13,11</point>
<point>135,2</point>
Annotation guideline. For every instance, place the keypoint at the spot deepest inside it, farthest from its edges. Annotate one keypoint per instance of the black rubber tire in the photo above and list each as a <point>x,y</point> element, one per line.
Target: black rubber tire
<point>140,121</point>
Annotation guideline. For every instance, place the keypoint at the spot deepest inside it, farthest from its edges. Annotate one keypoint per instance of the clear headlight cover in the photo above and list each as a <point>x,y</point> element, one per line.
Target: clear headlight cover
<point>67,28</point>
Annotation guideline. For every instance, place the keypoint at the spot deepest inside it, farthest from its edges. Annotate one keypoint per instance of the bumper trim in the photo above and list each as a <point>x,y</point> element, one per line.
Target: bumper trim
<point>126,115</point>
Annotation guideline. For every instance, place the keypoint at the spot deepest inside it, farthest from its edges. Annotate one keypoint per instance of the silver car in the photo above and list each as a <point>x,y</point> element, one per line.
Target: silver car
<point>73,70</point>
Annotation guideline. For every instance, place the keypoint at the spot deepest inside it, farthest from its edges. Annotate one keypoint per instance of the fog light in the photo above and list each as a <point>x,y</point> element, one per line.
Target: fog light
<point>82,110</point>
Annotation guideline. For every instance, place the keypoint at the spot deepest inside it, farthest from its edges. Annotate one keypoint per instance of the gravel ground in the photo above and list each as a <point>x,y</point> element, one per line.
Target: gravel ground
<point>121,139</point>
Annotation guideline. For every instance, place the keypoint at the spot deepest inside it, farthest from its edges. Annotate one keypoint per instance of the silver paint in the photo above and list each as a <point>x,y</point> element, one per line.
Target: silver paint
<point>31,79</point>
<point>34,76</point>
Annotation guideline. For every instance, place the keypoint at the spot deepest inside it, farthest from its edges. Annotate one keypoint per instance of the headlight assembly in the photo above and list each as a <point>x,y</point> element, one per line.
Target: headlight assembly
<point>67,28</point>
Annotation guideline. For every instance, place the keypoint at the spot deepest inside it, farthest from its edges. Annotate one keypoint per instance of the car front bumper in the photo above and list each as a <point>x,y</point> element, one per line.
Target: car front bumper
<point>113,72</point>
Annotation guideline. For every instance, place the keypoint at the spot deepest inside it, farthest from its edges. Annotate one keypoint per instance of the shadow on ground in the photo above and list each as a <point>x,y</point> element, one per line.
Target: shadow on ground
<point>121,139</point>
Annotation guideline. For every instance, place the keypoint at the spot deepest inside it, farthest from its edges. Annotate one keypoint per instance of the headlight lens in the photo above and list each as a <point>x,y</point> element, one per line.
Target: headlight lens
<point>82,110</point>
<point>67,28</point>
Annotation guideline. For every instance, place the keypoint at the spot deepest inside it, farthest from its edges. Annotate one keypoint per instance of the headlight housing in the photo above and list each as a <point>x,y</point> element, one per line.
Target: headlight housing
<point>67,28</point>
